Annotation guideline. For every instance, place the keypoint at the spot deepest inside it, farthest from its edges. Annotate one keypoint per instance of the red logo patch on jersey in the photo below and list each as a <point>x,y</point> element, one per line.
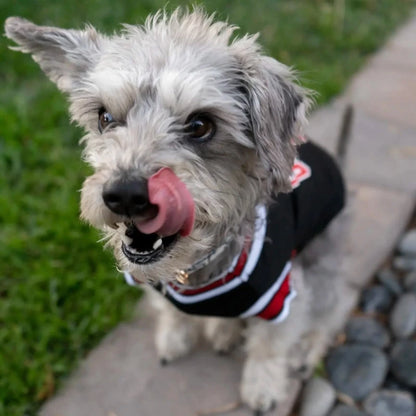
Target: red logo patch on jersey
<point>300,172</point>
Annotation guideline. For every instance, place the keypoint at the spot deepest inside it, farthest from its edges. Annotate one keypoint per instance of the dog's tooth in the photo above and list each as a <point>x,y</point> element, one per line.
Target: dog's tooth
<point>127,240</point>
<point>157,244</point>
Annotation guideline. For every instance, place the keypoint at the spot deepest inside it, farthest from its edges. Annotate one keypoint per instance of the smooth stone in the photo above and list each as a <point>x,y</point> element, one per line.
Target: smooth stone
<point>410,282</point>
<point>376,299</point>
<point>317,398</point>
<point>403,316</point>
<point>404,263</point>
<point>407,244</point>
<point>389,403</point>
<point>344,410</point>
<point>365,330</point>
<point>403,362</point>
<point>390,281</point>
<point>356,370</point>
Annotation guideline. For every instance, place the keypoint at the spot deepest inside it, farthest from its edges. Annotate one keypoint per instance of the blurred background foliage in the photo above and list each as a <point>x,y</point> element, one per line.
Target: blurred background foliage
<point>60,293</point>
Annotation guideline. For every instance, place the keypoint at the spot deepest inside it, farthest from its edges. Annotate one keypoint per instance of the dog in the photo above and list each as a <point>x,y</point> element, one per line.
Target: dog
<point>204,186</point>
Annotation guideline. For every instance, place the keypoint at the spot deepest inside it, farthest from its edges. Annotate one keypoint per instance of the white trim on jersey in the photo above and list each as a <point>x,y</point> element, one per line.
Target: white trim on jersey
<point>265,299</point>
<point>286,306</point>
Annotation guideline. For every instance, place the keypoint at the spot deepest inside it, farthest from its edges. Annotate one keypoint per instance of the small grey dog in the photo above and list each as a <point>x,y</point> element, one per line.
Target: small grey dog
<point>203,186</point>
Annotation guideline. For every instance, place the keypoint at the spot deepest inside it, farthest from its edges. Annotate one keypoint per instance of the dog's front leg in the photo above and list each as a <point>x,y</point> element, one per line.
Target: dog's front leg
<point>176,332</point>
<point>223,333</point>
<point>269,356</point>
<point>265,372</point>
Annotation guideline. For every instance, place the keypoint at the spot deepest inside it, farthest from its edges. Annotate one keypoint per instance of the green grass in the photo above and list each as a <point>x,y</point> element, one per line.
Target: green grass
<point>59,291</point>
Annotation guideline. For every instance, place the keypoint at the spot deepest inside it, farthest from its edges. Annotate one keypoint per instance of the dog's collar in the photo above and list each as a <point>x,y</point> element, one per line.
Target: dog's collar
<point>182,276</point>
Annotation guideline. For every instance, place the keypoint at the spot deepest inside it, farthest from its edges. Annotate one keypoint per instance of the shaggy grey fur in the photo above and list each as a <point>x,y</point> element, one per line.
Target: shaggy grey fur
<point>151,78</point>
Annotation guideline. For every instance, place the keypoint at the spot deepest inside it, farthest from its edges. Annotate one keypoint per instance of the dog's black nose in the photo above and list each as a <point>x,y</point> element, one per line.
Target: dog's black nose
<point>127,197</point>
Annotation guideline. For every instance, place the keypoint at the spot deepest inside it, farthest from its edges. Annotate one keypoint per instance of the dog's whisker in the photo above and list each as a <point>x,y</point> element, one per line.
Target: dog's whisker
<point>105,238</point>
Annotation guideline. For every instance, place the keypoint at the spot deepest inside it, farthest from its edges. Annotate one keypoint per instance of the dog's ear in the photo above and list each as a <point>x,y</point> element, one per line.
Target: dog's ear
<point>276,108</point>
<point>64,55</point>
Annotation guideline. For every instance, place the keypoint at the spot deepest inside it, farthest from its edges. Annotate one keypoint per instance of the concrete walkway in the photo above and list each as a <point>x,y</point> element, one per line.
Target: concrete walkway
<point>122,377</point>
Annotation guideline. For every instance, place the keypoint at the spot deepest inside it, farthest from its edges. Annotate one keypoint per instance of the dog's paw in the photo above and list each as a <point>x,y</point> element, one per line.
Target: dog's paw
<point>223,334</point>
<point>263,384</point>
<point>260,401</point>
<point>173,346</point>
<point>175,341</point>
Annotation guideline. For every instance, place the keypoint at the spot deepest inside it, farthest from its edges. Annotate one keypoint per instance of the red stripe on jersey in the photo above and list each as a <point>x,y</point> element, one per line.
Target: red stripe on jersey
<point>276,304</point>
<point>238,269</point>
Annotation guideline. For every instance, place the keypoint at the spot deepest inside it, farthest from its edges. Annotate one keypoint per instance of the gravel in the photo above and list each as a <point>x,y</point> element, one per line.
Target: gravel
<point>390,403</point>
<point>318,397</point>
<point>376,298</point>
<point>403,362</point>
<point>404,263</point>
<point>388,278</point>
<point>374,371</point>
<point>366,330</point>
<point>410,282</point>
<point>356,370</point>
<point>344,410</point>
<point>407,244</point>
<point>403,316</point>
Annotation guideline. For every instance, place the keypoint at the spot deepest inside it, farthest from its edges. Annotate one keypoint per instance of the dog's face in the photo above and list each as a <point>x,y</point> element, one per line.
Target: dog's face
<point>186,131</point>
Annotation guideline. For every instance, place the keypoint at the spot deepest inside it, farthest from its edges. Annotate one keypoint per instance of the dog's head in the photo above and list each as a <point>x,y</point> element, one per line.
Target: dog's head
<point>187,130</point>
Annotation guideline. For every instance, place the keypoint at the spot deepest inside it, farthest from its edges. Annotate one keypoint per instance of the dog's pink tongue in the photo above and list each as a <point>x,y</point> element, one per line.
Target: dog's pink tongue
<point>176,210</point>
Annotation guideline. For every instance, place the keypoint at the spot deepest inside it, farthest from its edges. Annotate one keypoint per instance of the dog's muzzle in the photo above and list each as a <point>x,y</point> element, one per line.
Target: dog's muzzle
<point>156,212</point>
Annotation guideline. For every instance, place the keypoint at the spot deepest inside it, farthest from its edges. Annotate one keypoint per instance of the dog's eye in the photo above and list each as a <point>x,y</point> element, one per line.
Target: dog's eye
<point>200,128</point>
<point>104,119</point>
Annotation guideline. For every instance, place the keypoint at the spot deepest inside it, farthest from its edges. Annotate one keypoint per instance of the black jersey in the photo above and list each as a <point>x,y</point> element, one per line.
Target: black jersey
<point>258,280</point>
